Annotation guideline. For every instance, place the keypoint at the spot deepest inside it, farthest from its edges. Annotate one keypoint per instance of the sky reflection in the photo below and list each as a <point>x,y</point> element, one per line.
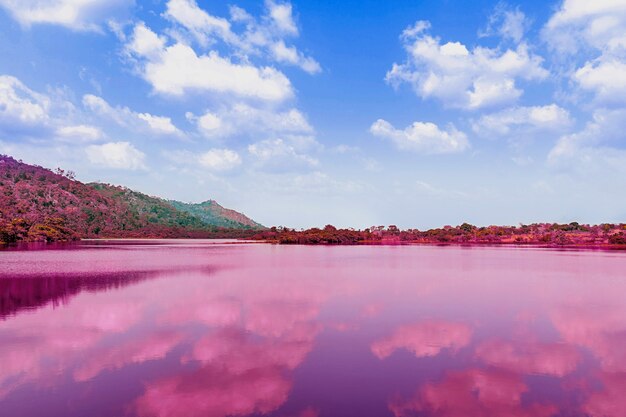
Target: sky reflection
<point>238,330</point>
<point>427,338</point>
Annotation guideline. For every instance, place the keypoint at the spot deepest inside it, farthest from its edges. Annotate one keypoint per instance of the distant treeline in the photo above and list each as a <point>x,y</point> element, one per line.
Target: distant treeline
<point>547,234</point>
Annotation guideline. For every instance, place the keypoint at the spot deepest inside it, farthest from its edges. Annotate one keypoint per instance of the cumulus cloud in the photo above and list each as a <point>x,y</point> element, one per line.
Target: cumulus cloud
<point>590,39</point>
<point>260,37</point>
<point>507,23</point>
<point>117,155</point>
<point>80,133</point>
<point>242,118</point>
<point>125,117</point>
<point>598,29</point>
<point>422,137</point>
<point>463,78</point>
<point>282,17</point>
<point>220,159</point>
<point>599,145</point>
<point>27,114</point>
<point>598,24</point>
<point>411,32</point>
<point>280,155</point>
<point>209,123</point>
<point>21,107</point>
<point>233,58</point>
<point>73,14</point>
<point>211,161</point>
<point>605,77</point>
<point>290,55</point>
<point>159,124</point>
<point>203,26</point>
<point>516,120</point>
<point>177,69</point>
<point>145,43</point>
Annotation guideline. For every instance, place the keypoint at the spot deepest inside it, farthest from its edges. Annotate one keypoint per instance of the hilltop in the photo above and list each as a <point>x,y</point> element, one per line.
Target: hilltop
<point>212,213</point>
<point>38,204</point>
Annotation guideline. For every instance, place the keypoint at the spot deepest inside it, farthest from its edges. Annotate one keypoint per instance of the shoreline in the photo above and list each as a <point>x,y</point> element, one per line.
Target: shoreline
<point>607,247</point>
<point>519,245</point>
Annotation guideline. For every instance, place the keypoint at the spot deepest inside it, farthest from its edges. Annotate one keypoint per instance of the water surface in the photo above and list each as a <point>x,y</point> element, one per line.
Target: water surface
<point>198,328</point>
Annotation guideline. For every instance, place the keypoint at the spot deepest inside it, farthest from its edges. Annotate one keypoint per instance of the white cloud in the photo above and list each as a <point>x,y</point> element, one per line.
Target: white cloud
<point>278,155</point>
<point>210,124</point>
<point>599,145</point>
<point>117,155</point>
<point>73,14</point>
<point>145,43</point>
<point>220,159</point>
<point>226,57</point>
<point>488,92</point>
<point>606,77</point>
<point>303,143</point>
<point>244,119</point>
<point>590,161</point>
<point>412,32</point>
<point>507,23</point>
<point>125,117</point>
<point>461,78</point>
<point>177,69</point>
<point>265,37</point>
<point>422,137</point>
<point>599,24</point>
<point>202,25</point>
<point>159,124</point>
<point>289,54</point>
<point>282,17</point>
<point>79,133</point>
<point>20,106</point>
<point>527,119</point>
<point>590,38</point>
<point>26,114</point>
<point>595,31</point>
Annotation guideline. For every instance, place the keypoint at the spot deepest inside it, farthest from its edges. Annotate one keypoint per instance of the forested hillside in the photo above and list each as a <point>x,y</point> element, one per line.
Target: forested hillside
<point>37,204</point>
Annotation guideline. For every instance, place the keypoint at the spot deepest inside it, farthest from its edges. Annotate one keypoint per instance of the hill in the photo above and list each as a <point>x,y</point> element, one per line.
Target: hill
<point>212,213</point>
<point>38,204</point>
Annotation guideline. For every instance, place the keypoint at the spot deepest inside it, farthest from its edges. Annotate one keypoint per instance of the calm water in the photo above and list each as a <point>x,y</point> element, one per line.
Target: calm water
<point>193,328</point>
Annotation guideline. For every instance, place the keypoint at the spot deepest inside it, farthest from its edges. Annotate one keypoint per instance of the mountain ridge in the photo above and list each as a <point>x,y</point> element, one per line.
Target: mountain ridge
<point>38,204</point>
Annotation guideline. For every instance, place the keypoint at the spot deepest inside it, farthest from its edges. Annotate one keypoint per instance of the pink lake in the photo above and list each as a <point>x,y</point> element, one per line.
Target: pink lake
<point>211,329</point>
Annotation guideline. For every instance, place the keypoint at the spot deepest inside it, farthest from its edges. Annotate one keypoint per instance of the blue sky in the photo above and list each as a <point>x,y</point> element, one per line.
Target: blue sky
<point>304,113</point>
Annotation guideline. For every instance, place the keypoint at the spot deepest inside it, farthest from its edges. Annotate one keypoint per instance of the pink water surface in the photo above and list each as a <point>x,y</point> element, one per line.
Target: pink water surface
<point>198,328</point>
